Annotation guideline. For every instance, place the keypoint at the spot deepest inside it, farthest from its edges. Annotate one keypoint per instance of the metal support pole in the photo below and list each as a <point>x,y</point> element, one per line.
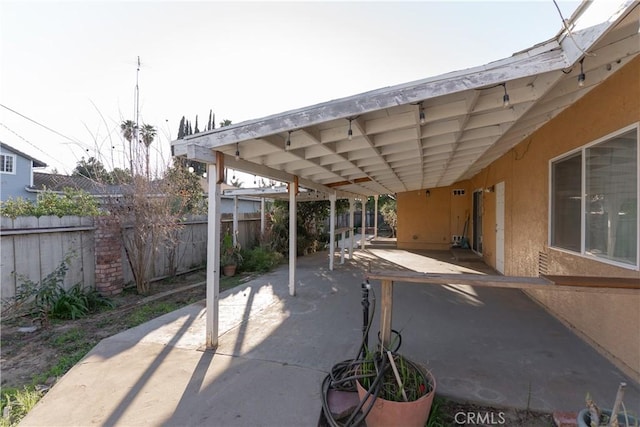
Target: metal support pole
<point>365,317</point>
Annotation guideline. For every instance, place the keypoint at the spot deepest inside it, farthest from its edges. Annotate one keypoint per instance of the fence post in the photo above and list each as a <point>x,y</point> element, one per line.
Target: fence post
<point>109,278</point>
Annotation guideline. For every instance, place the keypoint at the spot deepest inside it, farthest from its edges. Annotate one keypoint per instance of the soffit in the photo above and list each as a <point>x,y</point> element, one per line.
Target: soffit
<point>466,126</point>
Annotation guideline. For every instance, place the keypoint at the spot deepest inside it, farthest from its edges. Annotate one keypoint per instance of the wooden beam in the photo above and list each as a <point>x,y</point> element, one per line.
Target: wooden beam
<point>220,168</point>
<point>343,183</point>
<point>545,283</point>
<point>595,282</point>
<point>553,283</point>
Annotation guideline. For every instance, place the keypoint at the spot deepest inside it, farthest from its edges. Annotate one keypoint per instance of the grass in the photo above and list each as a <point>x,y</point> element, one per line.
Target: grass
<point>436,416</point>
<point>16,403</point>
<point>149,311</point>
<point>232,282</point>
<point>67,340</point>
<point>74,343</point>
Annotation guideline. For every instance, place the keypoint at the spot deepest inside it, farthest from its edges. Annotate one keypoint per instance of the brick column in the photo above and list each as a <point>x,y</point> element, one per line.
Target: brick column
<point>109,278</point>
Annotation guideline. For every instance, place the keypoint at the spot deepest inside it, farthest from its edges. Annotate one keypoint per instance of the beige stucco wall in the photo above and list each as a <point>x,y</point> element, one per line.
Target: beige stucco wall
<point>432,217</point>
<point>609,322</point>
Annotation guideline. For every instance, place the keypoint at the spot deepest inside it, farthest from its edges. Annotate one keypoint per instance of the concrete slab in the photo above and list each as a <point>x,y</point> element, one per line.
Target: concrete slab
<point>483,345</point>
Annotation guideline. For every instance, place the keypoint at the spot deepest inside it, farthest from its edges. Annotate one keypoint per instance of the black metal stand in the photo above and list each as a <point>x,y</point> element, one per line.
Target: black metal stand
<point>365,318</point>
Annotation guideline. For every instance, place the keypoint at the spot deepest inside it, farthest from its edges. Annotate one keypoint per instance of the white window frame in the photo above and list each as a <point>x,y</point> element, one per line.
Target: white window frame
<point>13,163</point>
<point>582,150</point>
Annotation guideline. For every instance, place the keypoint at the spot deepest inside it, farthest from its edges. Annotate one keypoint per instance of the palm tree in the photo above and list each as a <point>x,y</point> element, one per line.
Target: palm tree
<point>148,133</point>
<point>129,128</point>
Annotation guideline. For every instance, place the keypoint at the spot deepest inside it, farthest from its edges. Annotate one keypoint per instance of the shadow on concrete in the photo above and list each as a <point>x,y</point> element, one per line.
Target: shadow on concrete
<point>490,346</point>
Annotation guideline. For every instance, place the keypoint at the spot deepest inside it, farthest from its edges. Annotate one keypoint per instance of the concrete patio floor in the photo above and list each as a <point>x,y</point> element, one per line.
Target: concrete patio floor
<point>489,346</point>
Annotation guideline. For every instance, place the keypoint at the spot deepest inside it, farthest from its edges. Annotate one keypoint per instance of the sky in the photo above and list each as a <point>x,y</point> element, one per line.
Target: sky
<point>72,66</point>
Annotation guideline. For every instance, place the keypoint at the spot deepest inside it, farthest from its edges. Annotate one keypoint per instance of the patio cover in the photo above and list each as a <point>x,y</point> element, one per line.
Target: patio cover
<point>465,126</point>
<point>423,134</point>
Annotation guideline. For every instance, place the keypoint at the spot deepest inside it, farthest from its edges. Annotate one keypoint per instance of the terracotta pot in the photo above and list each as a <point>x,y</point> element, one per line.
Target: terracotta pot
<point>229,270</point>
<point>385,413</point>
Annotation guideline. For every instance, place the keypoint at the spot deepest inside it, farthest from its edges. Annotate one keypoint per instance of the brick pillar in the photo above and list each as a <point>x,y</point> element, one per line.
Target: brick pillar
<point>109,278</point>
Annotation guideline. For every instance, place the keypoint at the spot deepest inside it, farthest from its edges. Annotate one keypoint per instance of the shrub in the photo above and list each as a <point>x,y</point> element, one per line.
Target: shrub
<point>77,302</point>
<point>260,259</point>
<point>49,299</point>
<point>70,202</point>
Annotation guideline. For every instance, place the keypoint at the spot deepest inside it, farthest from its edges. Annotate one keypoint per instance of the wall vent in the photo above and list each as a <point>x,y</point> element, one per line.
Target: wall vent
<point>543,263</point>
<point>458,192</point>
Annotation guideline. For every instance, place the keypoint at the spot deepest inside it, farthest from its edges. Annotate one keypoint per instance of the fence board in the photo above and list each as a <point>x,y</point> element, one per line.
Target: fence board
<point>72,246</point>
<point>7,265</point>
<point>33,247</point>
<point>88,257</point>
<point>27,257</point>
<point>51,254</point>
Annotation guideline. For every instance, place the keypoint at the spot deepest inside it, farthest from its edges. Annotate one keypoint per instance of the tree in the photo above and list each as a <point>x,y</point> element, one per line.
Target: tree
<point>390,214</point>
<point>181,127</point>
<point>148,133</point>
<point>91,168</point>
<point>212,119</point>
<point>184,128</point>
<point>311,230</point>
<point>129,131</point>
<point>120,176</point>
<point>184,187</point>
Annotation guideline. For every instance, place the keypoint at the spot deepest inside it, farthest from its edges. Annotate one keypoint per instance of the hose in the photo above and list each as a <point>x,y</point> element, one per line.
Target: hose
<point>343,375</point>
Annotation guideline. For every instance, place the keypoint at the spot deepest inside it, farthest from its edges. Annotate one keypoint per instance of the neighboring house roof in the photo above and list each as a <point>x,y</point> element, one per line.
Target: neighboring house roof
<point>58,182</point>
<point>431,132</point>
<point>36,163</point>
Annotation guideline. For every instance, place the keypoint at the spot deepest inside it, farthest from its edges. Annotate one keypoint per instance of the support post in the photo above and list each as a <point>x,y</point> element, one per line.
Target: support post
<point>292,237</point>
<point>262,216</point>
<point>375,217</point>
<point>235,220</point>
<point>387,308</point>
<point>364,222</point>
<point>213,258</point>
<point>332,229</point>
<point>352,207</point>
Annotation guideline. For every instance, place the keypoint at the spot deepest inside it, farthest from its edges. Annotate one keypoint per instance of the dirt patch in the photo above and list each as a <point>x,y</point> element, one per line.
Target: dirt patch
<point>30,354</point>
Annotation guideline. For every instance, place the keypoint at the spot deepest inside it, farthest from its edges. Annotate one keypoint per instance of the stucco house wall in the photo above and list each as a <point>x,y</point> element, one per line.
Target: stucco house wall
<point>609,322</point>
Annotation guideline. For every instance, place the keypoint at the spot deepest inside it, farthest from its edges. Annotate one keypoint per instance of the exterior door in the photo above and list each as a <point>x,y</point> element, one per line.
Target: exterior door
<point>500,227</point>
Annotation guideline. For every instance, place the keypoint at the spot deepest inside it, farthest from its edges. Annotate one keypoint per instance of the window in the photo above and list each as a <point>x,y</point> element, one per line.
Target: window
<point>7,163</point>
<point>594,199</point>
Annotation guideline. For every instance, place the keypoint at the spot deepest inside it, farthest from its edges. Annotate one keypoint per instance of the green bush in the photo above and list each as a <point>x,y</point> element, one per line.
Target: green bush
<point>49,299</point>
<point>77,302</point>
<point>70,202</point>
<point>260,259</point>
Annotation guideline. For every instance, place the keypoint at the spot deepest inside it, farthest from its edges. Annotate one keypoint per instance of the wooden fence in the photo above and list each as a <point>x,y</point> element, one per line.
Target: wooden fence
<point>31,248</point>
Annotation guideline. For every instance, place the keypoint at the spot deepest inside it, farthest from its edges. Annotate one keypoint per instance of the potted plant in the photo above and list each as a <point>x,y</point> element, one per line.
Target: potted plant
<point>593,416</point>
<point>230,256</point>
<point>404,390</point>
